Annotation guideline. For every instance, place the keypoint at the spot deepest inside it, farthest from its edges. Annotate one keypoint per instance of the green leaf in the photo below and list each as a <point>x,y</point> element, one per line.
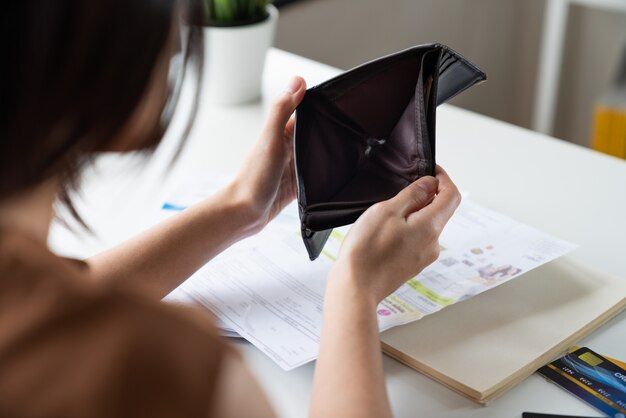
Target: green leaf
<point>229,11</point>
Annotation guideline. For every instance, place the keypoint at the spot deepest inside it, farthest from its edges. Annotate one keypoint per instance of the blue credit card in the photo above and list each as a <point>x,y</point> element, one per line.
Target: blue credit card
<point>592,378</point>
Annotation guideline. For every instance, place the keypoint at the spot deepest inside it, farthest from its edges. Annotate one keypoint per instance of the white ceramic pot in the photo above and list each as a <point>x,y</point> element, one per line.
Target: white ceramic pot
<point>234,58</point>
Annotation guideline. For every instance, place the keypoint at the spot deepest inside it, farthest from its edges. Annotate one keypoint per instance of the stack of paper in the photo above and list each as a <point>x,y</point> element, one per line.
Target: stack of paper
<point>266,290</point>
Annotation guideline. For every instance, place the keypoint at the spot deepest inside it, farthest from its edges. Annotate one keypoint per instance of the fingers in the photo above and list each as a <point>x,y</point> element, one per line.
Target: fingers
<point>284,106</point>
<point>415,196</point>
<point>443,205</point>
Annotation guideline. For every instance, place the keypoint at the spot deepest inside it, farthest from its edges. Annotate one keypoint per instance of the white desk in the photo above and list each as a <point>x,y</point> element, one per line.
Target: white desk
<point>571,192</point>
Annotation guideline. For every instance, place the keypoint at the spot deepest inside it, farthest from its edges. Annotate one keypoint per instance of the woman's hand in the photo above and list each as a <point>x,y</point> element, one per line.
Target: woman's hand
<point>391,242</point>
<point>266,183</point>
<point>396,239</point>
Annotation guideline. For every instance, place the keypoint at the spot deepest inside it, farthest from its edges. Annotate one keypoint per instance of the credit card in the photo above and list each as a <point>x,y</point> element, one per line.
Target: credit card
<point>592,378</point>
<point>611,359</point>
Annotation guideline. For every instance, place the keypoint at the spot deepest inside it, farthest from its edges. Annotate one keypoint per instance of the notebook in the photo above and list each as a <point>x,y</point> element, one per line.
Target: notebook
<point>486,345</point>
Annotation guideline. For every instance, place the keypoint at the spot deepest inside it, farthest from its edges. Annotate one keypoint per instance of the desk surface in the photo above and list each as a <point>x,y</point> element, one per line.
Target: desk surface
<point>571,192</point>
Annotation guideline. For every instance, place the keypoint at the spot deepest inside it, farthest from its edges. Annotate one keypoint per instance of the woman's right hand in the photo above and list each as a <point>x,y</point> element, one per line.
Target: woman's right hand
<point>396,239</point>
<point>390,243</point>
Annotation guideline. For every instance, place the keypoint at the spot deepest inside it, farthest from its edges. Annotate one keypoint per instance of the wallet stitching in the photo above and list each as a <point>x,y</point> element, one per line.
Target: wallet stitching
<point>433,105</point>
<point>418,125</point>
<point>418,149</point>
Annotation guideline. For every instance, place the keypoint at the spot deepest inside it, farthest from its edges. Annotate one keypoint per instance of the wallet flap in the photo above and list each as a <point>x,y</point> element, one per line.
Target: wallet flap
<point>314,241</point>
<point>456,74</point>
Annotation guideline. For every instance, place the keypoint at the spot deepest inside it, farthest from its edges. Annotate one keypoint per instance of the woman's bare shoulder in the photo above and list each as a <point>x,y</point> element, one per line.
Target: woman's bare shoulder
<point>72,349</point>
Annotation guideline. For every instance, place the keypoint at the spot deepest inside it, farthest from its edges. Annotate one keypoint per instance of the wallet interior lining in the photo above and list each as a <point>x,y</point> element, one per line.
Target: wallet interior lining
<point>393,164</point>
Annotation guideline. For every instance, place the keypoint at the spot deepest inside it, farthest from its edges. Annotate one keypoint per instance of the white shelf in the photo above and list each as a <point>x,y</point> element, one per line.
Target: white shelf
<point>551,56</point>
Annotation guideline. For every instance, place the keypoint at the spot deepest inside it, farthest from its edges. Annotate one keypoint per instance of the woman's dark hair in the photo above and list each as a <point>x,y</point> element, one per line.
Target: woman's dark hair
<point>73,73</point>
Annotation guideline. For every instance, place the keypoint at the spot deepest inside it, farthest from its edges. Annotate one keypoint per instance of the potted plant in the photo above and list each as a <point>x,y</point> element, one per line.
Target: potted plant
<point>237,35</point>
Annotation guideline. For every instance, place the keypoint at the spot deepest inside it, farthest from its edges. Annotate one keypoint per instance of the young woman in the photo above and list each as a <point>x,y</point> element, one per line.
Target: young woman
<point>91,338</point>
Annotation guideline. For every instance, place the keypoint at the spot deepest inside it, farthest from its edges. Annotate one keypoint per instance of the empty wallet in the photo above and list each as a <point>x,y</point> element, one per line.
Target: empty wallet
<point>364,135</point>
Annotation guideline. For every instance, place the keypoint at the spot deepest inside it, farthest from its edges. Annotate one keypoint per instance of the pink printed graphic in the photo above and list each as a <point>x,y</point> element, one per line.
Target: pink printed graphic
<point>384,312</point>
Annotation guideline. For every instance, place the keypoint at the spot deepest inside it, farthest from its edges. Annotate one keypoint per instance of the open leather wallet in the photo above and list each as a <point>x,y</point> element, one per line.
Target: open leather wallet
<point>364,135</point>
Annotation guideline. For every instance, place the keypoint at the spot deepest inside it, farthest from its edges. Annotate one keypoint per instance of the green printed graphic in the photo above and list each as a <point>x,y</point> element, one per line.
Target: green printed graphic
<point>337,235</point>
<point>329,255</point>
<point>428,293</point>
<point>393,299</point>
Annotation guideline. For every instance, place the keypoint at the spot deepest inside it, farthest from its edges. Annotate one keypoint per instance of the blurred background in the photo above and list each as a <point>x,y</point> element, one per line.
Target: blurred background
<point>574,49</point>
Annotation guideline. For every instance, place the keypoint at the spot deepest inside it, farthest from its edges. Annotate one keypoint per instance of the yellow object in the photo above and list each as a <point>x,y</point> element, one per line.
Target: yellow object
<point>430,294</point>
<point>609,130</point>
<point>619,363</point>
<point>590,359</point>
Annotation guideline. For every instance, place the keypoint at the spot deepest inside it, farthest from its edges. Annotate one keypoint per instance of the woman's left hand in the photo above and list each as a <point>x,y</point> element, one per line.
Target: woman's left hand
<point>266,182</point>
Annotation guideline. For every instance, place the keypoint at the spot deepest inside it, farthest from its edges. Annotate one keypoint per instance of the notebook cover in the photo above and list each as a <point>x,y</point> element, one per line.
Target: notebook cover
<point>484,346</point>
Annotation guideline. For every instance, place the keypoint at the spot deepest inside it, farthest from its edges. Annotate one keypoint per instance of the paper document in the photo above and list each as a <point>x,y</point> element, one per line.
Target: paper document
<point>266,290</point>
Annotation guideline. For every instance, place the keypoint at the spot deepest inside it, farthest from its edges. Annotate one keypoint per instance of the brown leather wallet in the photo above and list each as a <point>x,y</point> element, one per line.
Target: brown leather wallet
<point>364,135</point>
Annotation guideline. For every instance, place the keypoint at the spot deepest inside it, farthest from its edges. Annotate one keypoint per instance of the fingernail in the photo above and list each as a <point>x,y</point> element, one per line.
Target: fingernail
<point>428,184</point>
<point>294,85</point>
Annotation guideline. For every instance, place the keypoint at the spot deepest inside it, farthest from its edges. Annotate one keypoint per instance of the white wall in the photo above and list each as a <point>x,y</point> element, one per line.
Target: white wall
<point>501,36</point>
<point>593,48</point>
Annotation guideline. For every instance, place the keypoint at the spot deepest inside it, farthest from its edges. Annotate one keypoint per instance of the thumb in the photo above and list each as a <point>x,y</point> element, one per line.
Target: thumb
<point>415,196</point>
<point>284,106</point>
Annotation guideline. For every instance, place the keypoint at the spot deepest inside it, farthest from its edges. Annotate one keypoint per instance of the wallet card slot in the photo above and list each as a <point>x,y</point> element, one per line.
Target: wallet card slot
<point>456,77</point>
<point>447,62</point>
